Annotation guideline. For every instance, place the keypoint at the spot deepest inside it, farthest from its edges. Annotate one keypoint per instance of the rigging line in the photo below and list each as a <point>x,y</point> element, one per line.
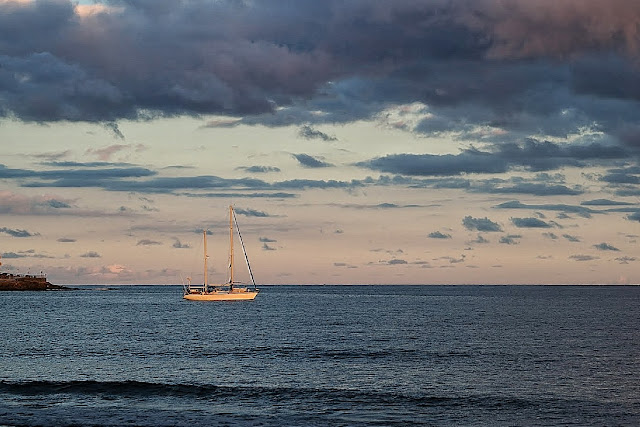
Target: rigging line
<point>235,219</point>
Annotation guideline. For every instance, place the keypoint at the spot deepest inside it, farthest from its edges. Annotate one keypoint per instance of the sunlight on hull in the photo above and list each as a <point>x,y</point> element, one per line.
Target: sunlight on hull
<point>222,296</point>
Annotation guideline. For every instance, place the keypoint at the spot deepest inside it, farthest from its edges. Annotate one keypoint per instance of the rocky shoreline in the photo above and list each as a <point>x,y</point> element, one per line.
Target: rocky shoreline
<point>10,282</point>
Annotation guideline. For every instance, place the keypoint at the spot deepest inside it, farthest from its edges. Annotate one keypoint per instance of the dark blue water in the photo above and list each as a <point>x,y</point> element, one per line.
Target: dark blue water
<point>323,355</point>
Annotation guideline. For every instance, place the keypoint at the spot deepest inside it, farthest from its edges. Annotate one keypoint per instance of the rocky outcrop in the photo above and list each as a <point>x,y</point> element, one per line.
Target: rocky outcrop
<point>10,282</point>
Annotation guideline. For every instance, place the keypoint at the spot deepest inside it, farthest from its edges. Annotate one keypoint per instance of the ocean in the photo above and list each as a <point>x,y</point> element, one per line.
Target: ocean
<point>323,356</point>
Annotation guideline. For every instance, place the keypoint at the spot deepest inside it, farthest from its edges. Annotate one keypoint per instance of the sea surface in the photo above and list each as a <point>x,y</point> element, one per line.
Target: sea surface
<point>323,355</point>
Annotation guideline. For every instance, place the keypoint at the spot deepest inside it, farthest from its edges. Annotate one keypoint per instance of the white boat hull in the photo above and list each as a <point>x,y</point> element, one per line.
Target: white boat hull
<point>234,295</point>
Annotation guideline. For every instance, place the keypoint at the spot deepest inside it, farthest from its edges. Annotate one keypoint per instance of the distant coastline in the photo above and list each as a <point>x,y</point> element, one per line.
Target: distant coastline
<point>15,282</point>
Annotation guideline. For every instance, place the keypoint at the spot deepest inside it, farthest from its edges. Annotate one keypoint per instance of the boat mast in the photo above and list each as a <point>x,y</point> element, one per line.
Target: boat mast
<point>244,251</point>
<point>206,278</point>
<point>231,246</point>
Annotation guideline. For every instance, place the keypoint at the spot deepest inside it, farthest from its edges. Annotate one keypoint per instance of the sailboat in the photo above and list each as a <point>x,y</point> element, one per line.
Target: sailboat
<point>230,291</point>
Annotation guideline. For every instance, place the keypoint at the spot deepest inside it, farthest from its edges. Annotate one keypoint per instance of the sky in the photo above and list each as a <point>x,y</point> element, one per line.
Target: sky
<point>399,142</point>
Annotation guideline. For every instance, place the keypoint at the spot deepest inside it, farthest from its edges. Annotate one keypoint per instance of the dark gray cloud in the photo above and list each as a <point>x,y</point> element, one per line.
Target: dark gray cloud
<point>551,236</point>
<point>626,259</point>
<point>533,188</point>
<point>571,238</point>
<point>147,242</point>
<point>481,239</point>
<point>307,132</point>
<point>530,223</point>
<point>259,169</point>
<point>634,216</point>
<point>310,162</point>
<point>436,165</point>
<point>476,64</point>
<point>480,224</point>
<point>438,235</point>
<point>17,232</point>
<point>581,257</point>
<point>344,264</point>
<point>266,247</point>
<point>267,240</point>
<point>500,158</point>
<point>251,212</point>
<point>580,210</point>
<point>300,184</point>
<point>397,261</point>
<point>14,255</point>
<point>510,239</point>
<point>605,202</point>
<point>605,247</point>
<point>66,240</point>
<point>91,254</point>
<point>179,245</point>
<point>76,177</point>
<point>70,164</point>
<point>146,181</point>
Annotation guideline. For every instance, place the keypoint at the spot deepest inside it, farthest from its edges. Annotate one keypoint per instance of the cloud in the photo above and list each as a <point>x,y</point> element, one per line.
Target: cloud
<point>510,239</point>
<point>147,242</point>
<point>480,224</point>
<point>267,240</point>
<point>91,254</point>
<point>259,169</point>
<point>299,184</point>
<point>106,153</point>
<point>580,210</point>
<point>529,223</point>
<point>551,236</point>
<point>13,255</point>
<point>605,247</point>
<point>438,235</point>
<point>634,216</point>
<point>266,247</point>
<point>583,257</point>
<point>12,203</point>
<point>571,238</point>
<point>453,260</point>
<point>179,245</point>
<point>480,68</point>
<point>310,162</point>
<point>17,232</point>
<point>251,212</point>
<point>307,132</point>
<point>397,261</point>
<point>532,154</point>
<point>74,177</point>
<point>604,202</point>
<point>344,264</point>
<point>536,189</point>
<point>115,130</point>
<point>481,239</point>
<point>277,195</point>
<point>436,165</point>
<point>66,240</point>
<point>626,259</point>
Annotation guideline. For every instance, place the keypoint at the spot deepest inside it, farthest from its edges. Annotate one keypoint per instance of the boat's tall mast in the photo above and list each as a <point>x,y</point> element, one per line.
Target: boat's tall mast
<point>244,251</point>
<point>206,278</point>
<point>231,245</point>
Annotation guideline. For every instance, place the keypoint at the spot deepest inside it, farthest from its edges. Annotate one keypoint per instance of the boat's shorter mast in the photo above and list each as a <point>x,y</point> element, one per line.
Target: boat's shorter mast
<point>206,278</point>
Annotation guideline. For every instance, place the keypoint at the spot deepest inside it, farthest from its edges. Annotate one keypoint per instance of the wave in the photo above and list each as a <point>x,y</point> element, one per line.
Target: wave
<point>128,389</point>
<point>150,403</point>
